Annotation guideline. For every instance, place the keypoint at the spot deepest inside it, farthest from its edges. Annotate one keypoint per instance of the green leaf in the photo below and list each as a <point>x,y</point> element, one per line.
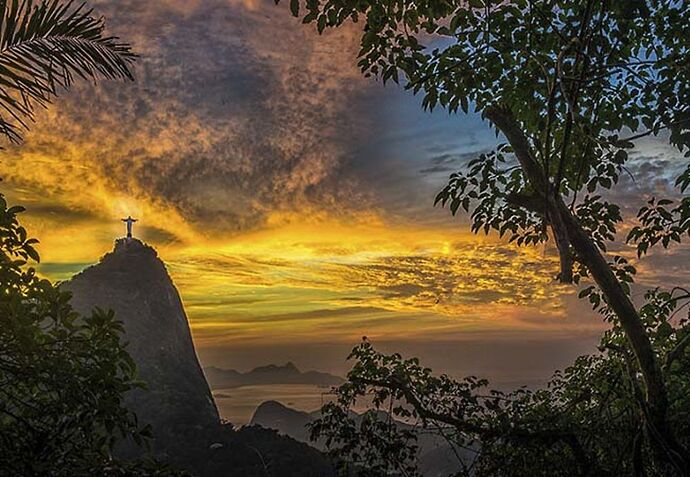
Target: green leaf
<point>32,253</point>
<point>455,203</point>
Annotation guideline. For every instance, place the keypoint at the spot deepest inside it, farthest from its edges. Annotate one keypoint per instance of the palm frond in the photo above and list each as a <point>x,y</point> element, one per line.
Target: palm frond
<point>44,45</point>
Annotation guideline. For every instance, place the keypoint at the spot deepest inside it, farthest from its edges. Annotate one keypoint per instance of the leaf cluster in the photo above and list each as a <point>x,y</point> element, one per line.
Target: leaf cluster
<point>661,221</point>
<point>492,187</point>
<point>63,376</point>
<point>45,44</point>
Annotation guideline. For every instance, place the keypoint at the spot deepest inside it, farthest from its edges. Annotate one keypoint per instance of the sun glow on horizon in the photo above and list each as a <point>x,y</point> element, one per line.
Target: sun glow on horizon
<point>328,278</point>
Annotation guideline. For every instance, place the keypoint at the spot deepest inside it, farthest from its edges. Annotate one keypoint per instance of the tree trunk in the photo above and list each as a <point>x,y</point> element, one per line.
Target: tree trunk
<point>656,399</point>
<point>568,230</point>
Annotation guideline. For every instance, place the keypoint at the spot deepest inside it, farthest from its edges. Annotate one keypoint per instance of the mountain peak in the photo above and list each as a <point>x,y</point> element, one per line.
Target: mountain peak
<point>132,245</point>
<point>132,265</point>
<point>126,248</point>
<point>133,281</point>
<point>288,368</point>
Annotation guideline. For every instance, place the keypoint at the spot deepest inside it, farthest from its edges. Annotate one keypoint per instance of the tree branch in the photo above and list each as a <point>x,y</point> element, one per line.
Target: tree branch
<point>506,123</point>
<point>676,352</point>
<point>514,434</point>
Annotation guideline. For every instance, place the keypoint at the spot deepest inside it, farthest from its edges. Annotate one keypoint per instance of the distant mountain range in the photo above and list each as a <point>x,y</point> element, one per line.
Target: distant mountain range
<point>435,457</point>
<point>219,378</point>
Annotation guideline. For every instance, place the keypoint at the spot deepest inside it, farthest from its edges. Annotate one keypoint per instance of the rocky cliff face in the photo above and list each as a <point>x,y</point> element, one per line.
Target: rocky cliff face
<point>133,281</point>
<point>188,434</point>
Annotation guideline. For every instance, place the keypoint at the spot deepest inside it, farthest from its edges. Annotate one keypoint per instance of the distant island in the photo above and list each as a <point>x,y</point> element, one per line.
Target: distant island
<point>436,455</point>
<point>219,378</point>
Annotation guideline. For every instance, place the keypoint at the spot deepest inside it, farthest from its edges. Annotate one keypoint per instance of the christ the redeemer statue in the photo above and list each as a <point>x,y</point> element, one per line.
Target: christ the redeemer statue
<point>129,221</point>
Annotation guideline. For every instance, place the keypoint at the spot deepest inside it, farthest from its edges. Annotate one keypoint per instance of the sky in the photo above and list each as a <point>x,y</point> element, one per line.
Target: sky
<point>292,200</point>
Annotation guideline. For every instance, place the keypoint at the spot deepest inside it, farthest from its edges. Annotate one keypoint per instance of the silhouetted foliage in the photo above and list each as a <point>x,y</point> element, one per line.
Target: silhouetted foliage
<point>62,375</point>
<point>43,45</point>
<point>586,421</point>
<point>571,85</point>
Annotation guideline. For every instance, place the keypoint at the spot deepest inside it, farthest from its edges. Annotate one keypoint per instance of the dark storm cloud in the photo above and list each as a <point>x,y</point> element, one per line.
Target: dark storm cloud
<point>238,111</point>
<point>450,162</point>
